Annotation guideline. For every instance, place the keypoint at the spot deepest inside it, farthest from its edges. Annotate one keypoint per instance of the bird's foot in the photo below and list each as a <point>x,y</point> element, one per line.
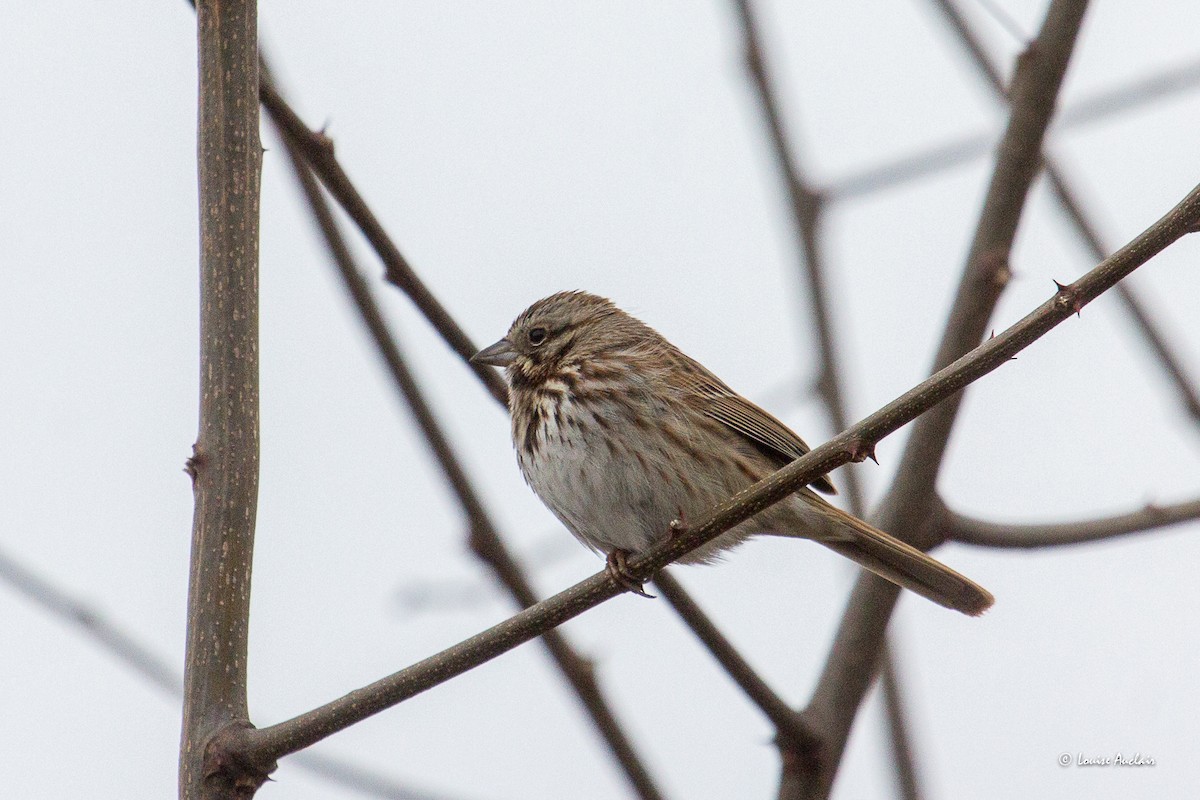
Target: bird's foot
<point>617,566</point>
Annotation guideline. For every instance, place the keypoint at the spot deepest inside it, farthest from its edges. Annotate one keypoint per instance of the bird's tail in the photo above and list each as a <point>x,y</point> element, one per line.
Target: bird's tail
<point>898,562</point>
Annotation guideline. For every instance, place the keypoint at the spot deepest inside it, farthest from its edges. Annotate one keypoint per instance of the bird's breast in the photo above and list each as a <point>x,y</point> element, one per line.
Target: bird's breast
<point>615,477</point>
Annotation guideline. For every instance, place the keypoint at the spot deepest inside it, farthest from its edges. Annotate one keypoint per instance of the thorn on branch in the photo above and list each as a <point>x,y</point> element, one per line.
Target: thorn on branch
<point>860,450</point>
<point>1068,297</point>
<point>322,139</point>
<point>195,462</point>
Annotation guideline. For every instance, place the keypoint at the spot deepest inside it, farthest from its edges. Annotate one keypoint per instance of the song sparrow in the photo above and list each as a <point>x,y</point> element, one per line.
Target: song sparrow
<point>623,436</point>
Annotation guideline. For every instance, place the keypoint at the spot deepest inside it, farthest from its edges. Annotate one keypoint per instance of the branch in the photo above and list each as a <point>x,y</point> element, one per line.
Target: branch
<point>317,150</point>
<point>1070,204</point>
<point>264,745</point>
<point>854,655</point>
<point>484,539</point>
<point>968,530</point>
<point>224,464</point>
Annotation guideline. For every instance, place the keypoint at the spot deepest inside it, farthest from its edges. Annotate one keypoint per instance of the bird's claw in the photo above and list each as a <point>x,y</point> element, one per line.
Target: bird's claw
<point>617,567</point>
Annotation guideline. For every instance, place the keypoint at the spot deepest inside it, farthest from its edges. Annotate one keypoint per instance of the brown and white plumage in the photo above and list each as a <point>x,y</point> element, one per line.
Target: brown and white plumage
<point>620,433</point>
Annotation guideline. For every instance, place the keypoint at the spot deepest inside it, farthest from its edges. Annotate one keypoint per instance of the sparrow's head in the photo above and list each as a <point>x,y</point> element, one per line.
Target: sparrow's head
<point>564,329</point>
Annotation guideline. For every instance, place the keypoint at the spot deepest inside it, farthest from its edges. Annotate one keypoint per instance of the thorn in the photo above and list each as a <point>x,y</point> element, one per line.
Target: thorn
<point>323,139</point>
<point>860,450</point>
<point>194,462</point>
<point>1068,297</point>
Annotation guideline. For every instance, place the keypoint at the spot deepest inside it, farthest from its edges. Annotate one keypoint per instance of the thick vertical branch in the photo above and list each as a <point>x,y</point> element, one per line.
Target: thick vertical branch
<point>912,499</point>
<point>224,466</point>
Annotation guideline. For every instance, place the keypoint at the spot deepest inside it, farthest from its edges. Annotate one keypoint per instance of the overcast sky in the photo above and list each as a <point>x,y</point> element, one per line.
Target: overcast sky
<point>514,150</point>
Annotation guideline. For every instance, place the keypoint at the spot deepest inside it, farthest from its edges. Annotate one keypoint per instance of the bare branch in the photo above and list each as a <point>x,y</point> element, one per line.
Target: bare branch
<point>265,744</point>
<point>317,150</point>
<point>1070,204</point>
<point>968,530</point>
<point>484,539</point>
<point>854,656</point>
<point>224,465</point>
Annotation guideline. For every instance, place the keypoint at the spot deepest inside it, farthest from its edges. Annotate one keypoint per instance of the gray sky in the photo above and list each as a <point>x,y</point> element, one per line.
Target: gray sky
<point>512,151</point>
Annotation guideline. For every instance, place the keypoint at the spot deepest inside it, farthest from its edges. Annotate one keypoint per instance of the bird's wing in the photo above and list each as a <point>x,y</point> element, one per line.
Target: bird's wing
<point>775,440</point>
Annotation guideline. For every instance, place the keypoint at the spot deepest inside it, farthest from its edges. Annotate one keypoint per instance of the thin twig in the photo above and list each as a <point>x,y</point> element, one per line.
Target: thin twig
<point>854,656</point>
<point>224,464</point>
<point>968,530</point>
<point>1069,202</point>
<point>807,210</point>
<point>484,539</point>
<point>263,745</point>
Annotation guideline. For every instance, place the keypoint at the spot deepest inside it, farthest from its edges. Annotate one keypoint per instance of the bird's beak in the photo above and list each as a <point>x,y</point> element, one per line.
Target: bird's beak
<point>501,354</point>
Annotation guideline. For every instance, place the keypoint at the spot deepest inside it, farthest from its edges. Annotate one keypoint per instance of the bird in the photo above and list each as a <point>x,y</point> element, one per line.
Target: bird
<point>625,438</point>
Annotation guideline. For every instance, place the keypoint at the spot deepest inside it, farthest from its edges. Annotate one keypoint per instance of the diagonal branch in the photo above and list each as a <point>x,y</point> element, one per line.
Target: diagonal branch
<point>968,530</point>
<point>854,655</point>
<point>1069,203</point>
<point>262,746</point>
<point>484,539</point>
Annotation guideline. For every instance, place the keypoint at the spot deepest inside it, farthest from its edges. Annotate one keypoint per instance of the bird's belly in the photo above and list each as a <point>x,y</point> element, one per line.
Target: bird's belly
<point>609,497</point>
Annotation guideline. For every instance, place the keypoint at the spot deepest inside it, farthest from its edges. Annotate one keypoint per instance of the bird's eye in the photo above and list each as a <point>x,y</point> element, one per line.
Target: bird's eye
<point>537,336</point>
